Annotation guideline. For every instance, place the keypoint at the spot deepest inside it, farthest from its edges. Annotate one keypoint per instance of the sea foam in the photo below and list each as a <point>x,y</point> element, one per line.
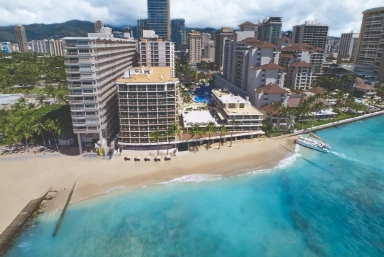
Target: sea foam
<point>194,178</point>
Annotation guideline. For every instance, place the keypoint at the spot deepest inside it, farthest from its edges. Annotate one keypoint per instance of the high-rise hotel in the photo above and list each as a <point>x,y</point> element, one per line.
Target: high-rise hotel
<point>93,64</point>
<point>148,102</point>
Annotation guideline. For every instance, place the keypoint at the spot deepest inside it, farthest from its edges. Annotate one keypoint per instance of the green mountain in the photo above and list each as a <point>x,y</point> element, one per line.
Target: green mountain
<point>73,28</point>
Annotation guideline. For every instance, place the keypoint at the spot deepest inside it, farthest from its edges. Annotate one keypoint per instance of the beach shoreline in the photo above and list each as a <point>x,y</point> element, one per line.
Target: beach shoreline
<point>29,179</point>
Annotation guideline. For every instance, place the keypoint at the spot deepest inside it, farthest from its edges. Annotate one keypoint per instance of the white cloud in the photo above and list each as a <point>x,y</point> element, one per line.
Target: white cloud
<point>341,15</point>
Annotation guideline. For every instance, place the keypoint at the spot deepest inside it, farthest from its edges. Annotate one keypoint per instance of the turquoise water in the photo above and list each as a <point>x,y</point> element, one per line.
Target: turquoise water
<point>203,99</point>
<point>320,205</point>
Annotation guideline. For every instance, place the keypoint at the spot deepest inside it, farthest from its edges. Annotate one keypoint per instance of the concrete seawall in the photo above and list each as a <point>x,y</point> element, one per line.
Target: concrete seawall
<point>333,124</point>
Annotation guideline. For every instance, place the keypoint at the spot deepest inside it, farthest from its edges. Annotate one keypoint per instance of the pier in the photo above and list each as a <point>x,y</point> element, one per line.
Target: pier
<point>14,228</point>
<point>63,212</point>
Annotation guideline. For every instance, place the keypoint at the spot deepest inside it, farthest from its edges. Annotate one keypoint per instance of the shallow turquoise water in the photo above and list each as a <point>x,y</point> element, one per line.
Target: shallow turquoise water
<point>321,205</point>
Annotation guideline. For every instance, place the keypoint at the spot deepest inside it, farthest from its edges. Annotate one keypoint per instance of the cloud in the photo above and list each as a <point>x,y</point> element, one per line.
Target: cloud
<point>341,15</point>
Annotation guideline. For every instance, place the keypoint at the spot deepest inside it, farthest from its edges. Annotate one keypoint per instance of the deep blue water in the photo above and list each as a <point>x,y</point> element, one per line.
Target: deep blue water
<point>321,205</point>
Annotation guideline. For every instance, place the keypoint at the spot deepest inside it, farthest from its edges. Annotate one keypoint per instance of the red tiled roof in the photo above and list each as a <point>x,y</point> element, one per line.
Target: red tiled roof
<point>364,87</point>
<point>271,89</point>
<point>294,102</point>
<point>247,23</point>
<point>265,45</point>
<point>269,66</point>
<point>301,64</point>
<point>317,90</point>
<point>269,109</point>
<point>286,55</point>
<point>285,39</point>
<point>301,47</point>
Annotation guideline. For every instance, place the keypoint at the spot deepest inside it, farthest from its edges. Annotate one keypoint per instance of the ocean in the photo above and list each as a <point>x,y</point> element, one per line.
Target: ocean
<point>312,204</point>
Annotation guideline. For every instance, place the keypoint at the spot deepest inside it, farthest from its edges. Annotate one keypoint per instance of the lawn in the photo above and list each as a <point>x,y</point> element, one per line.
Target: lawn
<point>308,123</point>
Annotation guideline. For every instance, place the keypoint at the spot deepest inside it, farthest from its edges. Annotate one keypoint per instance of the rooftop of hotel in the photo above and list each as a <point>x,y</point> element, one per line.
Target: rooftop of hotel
<point>197,117</point>
<point>9,98</point>
<point>228,98</point>
<point>148,75</point>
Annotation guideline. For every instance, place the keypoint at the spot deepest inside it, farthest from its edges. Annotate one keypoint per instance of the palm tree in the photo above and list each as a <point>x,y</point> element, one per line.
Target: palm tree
<point>62,97</point>
<point>25,132</point>
<point>211,128</point>
<point>50,91</point>
<point>194,131</point>
<point>39,128</point>
<point>267,127</point>
<point>317,107</point>
<point>22,103</point>
<point>233,124</point>
<point>155,136</point>
<point>223,130</point>
<point>51,126</point>
<point>201,132</point>
<point>278,106</point>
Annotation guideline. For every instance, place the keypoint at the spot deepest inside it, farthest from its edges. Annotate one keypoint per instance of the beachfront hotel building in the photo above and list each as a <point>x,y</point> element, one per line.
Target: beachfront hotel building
<point>21,38</point>
<point>92,65</point>
<point>230,107</point>
<point>148,102</point>
<point>312,33</point>
<point>154,52</point>
<point>349,43</point>
<point>195,43</point>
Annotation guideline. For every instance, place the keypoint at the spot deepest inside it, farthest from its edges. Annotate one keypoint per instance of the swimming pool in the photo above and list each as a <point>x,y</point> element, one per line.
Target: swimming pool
<point>203,99</point>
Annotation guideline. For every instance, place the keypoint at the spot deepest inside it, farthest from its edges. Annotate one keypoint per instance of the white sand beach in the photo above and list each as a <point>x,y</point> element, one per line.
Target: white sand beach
<point>23,180</point>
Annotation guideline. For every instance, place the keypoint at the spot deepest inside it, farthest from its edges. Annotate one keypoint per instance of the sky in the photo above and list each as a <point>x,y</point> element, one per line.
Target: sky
<point>341,15</point>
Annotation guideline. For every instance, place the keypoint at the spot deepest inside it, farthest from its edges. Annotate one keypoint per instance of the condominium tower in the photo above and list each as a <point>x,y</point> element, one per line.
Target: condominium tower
<point>220,37</point>
<point>159,18</point>
<point>93,64</point>
<point>178,32</point>
<point>349,44</point>
<point>194,47</point>
<point>370,49</point>
<point>21,38</point>
<point>147,103</point>
<point>269,29</point>
<point>155,52</point>
<point>312,33</point>
<point>49,47</point>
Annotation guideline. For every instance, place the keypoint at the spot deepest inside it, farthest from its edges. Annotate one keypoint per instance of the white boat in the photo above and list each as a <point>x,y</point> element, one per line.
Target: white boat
<point>313,144</point>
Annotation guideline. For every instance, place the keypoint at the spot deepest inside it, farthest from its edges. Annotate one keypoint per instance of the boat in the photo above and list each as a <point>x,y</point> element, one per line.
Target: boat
<point>313,144</point>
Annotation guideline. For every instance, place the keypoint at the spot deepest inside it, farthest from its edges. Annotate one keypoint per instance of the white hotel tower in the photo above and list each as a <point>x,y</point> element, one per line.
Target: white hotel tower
<point>93,64</point>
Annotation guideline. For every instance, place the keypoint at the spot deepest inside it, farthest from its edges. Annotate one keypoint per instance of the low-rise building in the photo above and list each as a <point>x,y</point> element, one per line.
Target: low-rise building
<point>148,102</point>
<point>270,93</point>
<point>365,89</point>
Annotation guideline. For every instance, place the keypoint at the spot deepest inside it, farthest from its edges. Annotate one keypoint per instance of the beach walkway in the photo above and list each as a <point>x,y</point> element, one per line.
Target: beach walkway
<point>13,229</point>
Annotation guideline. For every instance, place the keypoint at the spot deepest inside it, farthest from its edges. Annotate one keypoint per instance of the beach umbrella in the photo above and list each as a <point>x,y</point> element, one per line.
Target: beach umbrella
<point>158,158</point>
<point>168,157</point>
<point>148,158</point>
<point>138,158</point>
<point>128,158</point>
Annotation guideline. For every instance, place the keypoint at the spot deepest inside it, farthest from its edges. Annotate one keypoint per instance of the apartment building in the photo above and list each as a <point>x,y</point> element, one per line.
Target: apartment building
<point>148,100</point>
<point>269,94</point>
<point>250,64</point>
<point>6,47</point>
<point>49,47</point>
<point>205,39</point>
<point>269,29</point>
<point>21,38</point>
<point>220,37</point>
<point>312,33</point>
<point>349,43</point>
<point>371,42</point>
<point>246,30</point>
<point>93,64</point>
<point>178,33</point>
<point>210,52</point>
<point>195,47</point>
<point>155,52</point>
<point>299,75</point>
<point>292,52</point>
<point>159,18</point>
